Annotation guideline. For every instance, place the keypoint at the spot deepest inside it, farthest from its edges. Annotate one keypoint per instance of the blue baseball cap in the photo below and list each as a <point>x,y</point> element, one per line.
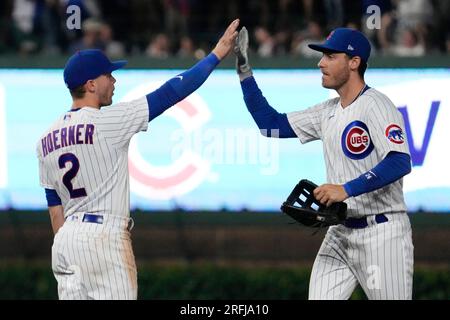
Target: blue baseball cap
<point>86,65</point>
<point>346,40</point>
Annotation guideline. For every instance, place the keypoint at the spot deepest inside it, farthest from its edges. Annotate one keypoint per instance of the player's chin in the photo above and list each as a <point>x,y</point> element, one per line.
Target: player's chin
<point>106,102</point>
<point>326,83</point>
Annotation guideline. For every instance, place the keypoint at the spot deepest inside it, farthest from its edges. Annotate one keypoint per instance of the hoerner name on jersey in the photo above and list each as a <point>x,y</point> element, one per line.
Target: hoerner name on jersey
<point>67,136</point>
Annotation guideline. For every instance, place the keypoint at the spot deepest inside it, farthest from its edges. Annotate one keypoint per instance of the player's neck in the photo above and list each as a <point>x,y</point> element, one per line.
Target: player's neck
<point>350,91</point>
<point>85,102</point>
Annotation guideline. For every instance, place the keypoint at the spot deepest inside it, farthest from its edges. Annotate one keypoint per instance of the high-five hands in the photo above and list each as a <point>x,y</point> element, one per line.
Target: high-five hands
<point>241,51</point>
<point>227,41</point>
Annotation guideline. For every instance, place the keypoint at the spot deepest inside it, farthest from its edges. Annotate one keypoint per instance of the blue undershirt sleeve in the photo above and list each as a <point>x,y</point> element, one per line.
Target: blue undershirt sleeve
<point>180,86</point>
<point>52,197</point>
<point>394,166</point>
<point>269,121</point>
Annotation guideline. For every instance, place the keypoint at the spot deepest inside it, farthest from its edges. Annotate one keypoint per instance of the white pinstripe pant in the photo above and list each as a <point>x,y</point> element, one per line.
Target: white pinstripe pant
<point>378,257</point>
<point>94,261</point>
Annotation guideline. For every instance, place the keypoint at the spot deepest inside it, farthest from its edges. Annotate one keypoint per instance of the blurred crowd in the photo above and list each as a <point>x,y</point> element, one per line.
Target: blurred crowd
<point>189,28</point>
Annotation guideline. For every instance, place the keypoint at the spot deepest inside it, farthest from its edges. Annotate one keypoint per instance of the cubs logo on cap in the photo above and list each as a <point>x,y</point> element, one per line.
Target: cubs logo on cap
<point>345,40</point>
<point>394,133</point>
<point>355,141</point>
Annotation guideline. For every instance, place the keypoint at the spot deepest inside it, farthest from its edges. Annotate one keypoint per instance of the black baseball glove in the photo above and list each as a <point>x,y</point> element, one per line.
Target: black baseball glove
<point>302,206</point>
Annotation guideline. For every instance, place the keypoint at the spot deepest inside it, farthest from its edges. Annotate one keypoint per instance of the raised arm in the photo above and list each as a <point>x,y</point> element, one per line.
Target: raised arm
<point>182,85</point>
<point>269,121</point>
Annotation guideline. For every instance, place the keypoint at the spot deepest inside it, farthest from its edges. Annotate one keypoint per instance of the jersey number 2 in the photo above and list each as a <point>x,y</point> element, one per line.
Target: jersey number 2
<point>67,178</point>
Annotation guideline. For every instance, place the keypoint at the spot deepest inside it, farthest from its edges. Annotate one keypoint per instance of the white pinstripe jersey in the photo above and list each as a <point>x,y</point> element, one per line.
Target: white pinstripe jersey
<point>84,157</point>
<point>355,139</point>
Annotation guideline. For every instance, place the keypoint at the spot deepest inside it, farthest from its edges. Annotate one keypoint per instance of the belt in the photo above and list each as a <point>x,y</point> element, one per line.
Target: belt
<point>93,218</point>
<point>360,223</point>
<point>99,219</point>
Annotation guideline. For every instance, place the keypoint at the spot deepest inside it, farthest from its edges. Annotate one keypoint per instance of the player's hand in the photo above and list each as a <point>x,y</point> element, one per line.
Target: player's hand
<point>226,43</point>
<point>241,51</point>
<point>328,194</point>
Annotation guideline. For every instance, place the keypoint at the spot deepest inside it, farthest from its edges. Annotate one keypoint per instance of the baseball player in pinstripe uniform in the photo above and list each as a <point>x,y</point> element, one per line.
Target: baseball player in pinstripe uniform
<point>366,156</point>
<point>83,166</point>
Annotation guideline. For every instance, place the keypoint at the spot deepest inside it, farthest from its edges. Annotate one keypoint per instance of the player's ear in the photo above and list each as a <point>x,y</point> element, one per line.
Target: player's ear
<point>90,85</point>
<point>354,63</point>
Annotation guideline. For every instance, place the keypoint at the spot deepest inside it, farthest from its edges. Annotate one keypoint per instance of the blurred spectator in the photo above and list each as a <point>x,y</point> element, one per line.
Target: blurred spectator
<point>410,46</point>
<point>89,9</point>
<point>112,48</point>
<point>91,36</point>
<point>23,15</point>
<point>265,42</point>
<point>23,18</point>
<point>313,34</point>
<point>413,13</point>
<point>98,35</point>
<point>159,47</point>
<point>186,48</point>
<point>160,28</point>
<point>282,42</point>
<point>48,25</point>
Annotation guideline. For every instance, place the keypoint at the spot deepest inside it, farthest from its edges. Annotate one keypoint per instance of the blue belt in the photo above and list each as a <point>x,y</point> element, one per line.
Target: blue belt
<point>93,218</point>
<point>359,223</point>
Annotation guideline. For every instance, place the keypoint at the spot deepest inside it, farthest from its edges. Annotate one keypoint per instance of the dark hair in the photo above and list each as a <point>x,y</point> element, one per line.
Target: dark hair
<point>78,92</point>
<point>362,69</point>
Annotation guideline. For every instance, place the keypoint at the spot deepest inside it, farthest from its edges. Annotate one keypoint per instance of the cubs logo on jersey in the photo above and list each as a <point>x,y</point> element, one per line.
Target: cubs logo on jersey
<point>356,142</point>
<point>394,133</point>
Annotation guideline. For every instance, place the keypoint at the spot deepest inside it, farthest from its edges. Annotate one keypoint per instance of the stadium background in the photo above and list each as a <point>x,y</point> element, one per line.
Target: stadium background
<point>231,252</point>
